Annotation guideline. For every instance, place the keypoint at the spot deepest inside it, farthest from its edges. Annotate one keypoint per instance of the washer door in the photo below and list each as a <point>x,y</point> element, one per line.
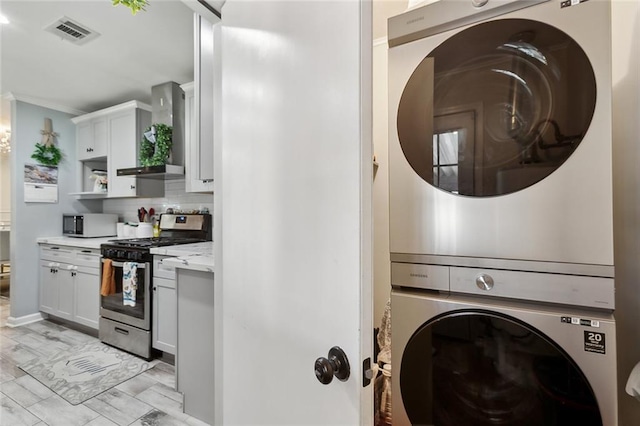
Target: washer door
<point>484,368</point>
<point>496,107</point>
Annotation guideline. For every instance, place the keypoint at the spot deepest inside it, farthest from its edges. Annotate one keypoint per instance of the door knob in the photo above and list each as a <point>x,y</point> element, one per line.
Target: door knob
<point>336,365</point>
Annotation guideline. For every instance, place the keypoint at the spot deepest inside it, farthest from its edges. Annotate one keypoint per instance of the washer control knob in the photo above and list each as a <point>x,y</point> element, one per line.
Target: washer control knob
<point>484,282</point>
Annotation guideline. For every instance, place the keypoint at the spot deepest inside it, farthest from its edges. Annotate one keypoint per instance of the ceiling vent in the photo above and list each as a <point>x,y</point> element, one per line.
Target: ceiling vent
<point>71,30</point>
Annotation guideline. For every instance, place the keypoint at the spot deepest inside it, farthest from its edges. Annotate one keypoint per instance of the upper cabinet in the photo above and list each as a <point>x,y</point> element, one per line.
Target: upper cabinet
<point>91,138</point>
<point>109,140</point>
<point>206,76</point>
<point>201,106</point>
<point>193,183</point>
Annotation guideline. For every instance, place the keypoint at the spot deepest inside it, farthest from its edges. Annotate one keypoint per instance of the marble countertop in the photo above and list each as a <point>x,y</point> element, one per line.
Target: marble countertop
<point>92,243</point>
<point>197,257</point>
<point>205,248</point>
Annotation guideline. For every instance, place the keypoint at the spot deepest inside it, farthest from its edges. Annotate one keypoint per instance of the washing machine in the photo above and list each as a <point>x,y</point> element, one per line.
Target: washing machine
<point>467,360</point>
<point>500,133</point>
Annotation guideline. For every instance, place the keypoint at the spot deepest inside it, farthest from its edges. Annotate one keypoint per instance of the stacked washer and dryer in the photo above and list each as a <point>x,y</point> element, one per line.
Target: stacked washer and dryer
<point>501,223</point>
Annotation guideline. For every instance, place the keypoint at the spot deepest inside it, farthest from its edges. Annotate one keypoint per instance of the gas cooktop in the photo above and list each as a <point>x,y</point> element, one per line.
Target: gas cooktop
<point>154,242</point>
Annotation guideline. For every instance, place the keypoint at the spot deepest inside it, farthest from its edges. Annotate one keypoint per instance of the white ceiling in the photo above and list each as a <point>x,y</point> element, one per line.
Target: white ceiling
<point>132,53</point>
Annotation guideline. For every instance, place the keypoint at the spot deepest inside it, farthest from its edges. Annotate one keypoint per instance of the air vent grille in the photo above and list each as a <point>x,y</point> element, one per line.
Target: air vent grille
<point>71,30</point>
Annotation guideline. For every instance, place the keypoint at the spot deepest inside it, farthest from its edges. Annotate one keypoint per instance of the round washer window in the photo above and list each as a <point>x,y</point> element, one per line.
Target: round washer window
<point>496,107</point>
<point>484,368</point>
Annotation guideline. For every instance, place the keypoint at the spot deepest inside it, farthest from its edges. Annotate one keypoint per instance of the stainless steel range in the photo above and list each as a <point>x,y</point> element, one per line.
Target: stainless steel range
<point>125,301</point>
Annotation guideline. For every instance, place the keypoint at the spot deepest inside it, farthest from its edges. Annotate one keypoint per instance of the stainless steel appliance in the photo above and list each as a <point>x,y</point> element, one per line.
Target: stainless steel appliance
<point>127,325</point>
<point>501,229</point>
<point>500,133</point>
<point>89,225</point>
<point>468,360</point>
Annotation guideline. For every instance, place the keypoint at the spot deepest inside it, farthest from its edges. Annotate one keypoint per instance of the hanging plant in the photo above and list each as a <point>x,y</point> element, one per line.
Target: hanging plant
<point>49,155</point>
<point>155,147</point>
<point>47,152</point>
<point>134,5</point>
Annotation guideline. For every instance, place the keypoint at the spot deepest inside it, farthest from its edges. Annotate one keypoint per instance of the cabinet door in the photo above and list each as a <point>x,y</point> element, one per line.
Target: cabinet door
<point>123,153</point>
<point>87,296</point>
<point>84,140</point>
<point>48,287</point>
<point>99,129</point>
<point>165,315</point>
<point>193,183</point>
<point>66,291</point>
<point>204,89</point>
<point>91,139</point>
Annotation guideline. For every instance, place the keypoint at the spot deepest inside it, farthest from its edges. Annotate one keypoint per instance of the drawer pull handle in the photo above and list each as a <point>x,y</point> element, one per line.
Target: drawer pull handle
<point>121,330</point>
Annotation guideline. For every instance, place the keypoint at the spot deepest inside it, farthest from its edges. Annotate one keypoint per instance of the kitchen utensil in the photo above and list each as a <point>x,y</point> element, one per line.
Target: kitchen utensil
<point>152,212</point>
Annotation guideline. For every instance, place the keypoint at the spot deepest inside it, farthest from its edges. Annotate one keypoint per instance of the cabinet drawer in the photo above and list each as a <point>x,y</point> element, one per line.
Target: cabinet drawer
<point>56,253</point>
<point>162,270</point>
<point>87,257</point>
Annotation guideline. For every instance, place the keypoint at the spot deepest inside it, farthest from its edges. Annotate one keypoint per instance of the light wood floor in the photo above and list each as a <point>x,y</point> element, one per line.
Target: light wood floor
<point>148,399</point>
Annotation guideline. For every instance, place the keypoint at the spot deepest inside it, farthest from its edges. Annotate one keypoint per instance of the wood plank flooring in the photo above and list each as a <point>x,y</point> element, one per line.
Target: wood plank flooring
<point>148,399</point>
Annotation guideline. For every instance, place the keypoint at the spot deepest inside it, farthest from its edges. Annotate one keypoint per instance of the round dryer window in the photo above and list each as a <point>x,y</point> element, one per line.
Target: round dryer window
<point>482,368</point>
<point>496,108</point>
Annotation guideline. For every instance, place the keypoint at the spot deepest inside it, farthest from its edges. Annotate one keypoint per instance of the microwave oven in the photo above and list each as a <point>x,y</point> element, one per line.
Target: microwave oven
<point>89,225</point>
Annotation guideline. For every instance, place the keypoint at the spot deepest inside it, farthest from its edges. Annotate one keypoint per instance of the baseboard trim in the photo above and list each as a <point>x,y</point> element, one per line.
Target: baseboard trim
<point>24,320</point>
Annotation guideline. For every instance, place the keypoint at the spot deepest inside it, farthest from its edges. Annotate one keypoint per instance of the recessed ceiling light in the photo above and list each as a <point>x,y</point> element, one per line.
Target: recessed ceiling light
<point>3,19</point>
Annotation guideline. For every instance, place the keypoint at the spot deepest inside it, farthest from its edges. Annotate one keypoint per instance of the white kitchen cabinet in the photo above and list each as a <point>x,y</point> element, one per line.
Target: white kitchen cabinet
<point>207,85</point>
<point>193,183</point>
<point>164,332</point>
<point>115,133</point>
<point>70,284</point>
<point>125,129</point>
<point>91,138</point>
<point>196,343</point>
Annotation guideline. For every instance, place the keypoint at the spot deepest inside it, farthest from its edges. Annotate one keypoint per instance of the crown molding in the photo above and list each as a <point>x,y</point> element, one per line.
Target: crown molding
<point>12,96</point>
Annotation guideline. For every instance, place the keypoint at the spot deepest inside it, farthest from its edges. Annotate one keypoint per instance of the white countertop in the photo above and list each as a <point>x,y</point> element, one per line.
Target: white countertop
<point>197,257</point>
<point>93,243</point>
<point>200,249</point>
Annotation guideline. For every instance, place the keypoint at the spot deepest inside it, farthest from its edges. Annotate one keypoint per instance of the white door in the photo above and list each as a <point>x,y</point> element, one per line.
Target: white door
<point>293,211</point>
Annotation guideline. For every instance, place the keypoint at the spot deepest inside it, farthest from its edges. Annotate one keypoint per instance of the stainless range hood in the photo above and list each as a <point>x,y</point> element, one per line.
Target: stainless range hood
<point>167,107</point>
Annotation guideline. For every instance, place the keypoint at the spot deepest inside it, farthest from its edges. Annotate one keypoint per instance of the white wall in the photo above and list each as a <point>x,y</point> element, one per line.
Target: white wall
<point>626,154</point>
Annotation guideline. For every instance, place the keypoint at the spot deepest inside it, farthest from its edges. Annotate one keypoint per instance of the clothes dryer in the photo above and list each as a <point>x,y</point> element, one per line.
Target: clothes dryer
<point>500,134</point>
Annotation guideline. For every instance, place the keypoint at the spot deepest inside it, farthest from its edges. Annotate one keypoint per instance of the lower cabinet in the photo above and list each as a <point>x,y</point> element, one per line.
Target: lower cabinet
<point>164,332</point>
<point>70,284</point>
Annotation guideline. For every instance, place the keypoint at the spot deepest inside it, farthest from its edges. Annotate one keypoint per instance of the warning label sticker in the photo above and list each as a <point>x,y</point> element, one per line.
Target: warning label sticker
<point>594,342</point>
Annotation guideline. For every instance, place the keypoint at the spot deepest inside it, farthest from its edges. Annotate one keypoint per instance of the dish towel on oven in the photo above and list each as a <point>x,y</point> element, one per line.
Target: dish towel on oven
<point>129,283</point>
<point>108,278</point>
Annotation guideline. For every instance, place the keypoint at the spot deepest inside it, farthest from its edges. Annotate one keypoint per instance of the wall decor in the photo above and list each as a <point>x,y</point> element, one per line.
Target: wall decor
<point>155,147</point>
<point>40,184</point>
<point>47,152</point>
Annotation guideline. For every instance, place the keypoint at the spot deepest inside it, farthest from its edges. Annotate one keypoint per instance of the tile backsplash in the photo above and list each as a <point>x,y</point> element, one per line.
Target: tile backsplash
<point>174,197</point>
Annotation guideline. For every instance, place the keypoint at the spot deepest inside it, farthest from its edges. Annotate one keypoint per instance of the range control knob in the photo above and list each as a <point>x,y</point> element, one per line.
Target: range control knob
<point>484,282</point>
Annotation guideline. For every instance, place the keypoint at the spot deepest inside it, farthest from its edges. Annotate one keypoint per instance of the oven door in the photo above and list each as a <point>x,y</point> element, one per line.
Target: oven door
<point>129,307</point>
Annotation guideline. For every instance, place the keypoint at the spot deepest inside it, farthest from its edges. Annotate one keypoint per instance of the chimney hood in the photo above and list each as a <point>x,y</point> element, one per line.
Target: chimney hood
<point>167,107</point>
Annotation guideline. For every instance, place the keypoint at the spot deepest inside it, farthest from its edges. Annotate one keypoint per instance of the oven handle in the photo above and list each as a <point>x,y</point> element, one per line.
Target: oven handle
<point>121,264</point>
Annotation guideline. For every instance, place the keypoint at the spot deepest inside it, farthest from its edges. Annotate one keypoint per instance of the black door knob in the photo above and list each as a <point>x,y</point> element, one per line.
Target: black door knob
<point>336,365</point>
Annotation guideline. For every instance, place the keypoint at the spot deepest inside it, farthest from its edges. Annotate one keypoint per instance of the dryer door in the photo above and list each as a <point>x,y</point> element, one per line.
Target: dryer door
<point>484,368</point>
<point>496,107</point>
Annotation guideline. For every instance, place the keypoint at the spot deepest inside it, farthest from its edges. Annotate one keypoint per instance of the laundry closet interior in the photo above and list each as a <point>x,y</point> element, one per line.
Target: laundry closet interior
<point>513,290</point>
